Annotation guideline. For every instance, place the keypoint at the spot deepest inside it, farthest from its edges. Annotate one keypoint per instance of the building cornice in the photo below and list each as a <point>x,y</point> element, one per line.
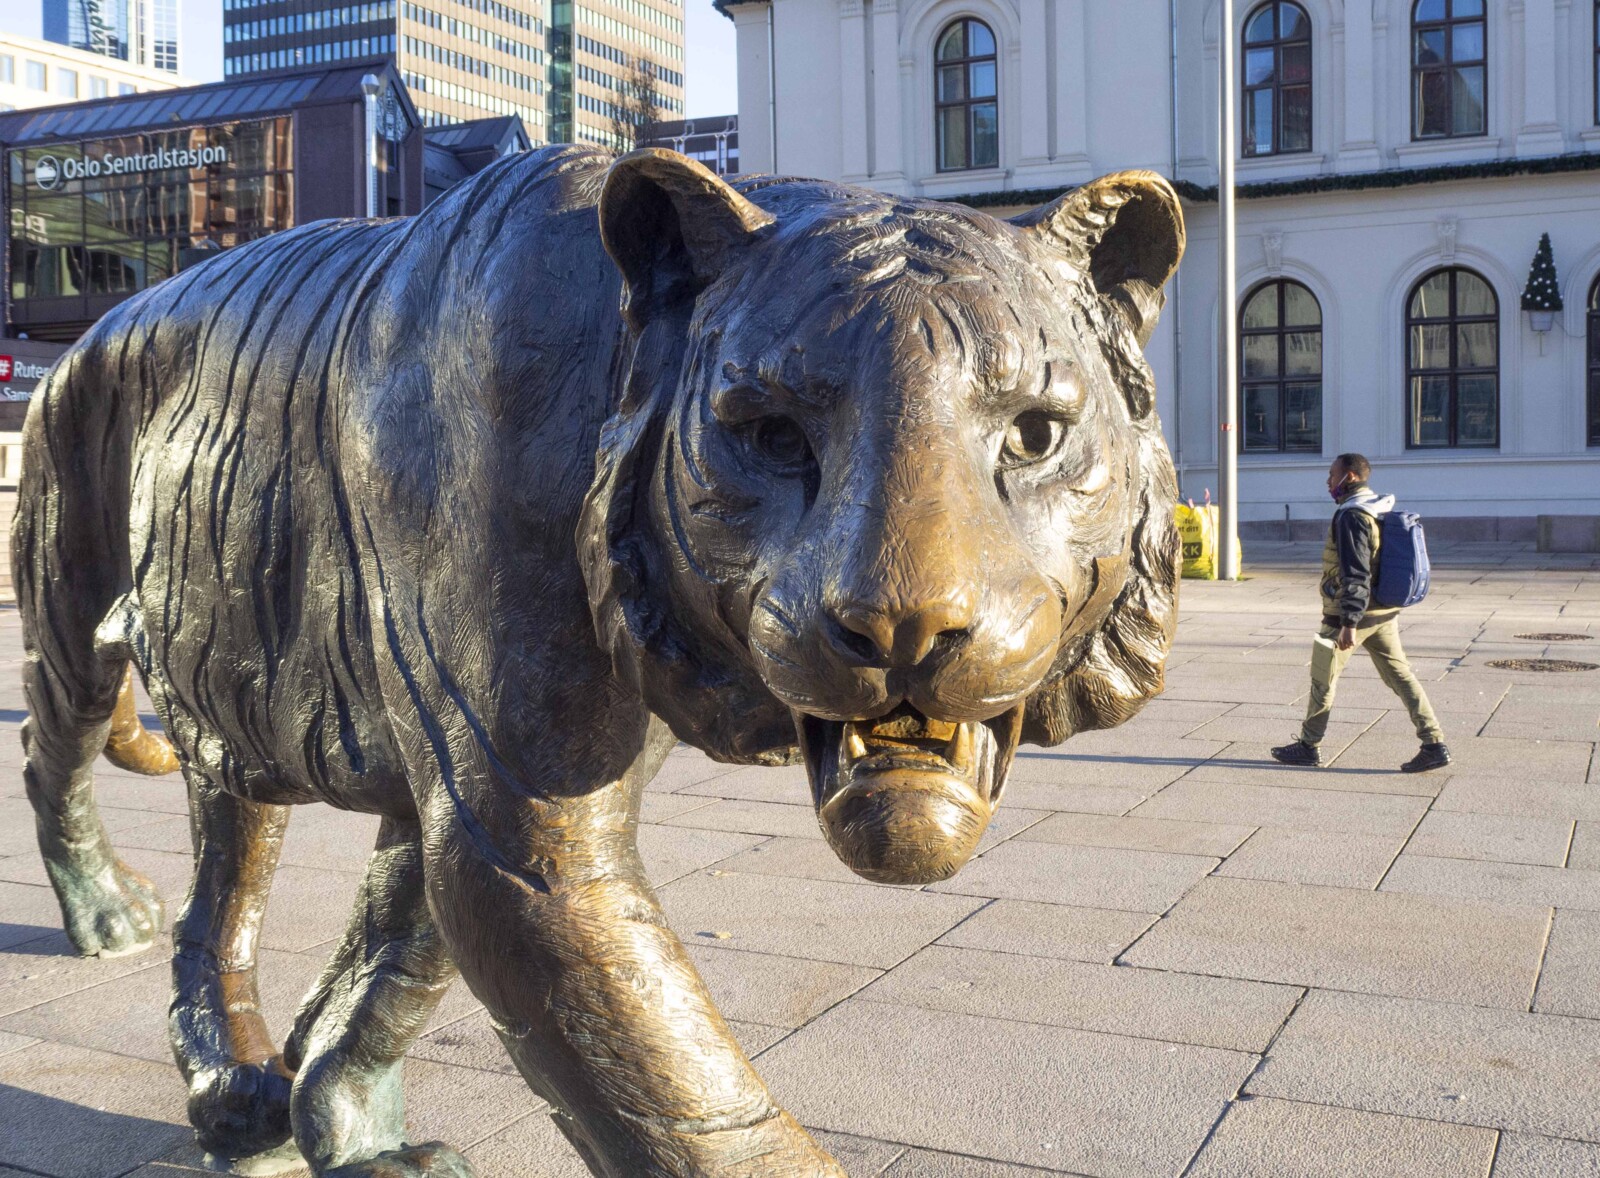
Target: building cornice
<point>723,6</point>
<point>1347,182</point>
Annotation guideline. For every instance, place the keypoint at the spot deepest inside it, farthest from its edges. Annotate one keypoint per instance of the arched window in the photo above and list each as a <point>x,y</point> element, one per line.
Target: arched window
<point>1594,363</point>
<point>1280,369</point>
<point>1277,80</point>
<point>966,111</point>
<point>1453,361</point>
<point>1450,72</point>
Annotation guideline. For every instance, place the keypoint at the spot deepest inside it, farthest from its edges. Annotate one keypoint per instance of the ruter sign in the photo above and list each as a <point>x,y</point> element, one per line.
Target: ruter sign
<point>19,374</point>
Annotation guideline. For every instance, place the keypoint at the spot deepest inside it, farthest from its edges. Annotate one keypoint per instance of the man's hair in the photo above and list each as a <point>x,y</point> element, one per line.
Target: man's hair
<point>1355,464</point>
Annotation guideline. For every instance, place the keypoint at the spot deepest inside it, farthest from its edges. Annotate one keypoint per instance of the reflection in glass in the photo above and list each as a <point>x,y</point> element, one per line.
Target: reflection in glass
<point>966,117</point>
<point>1466,43</point>
<point>1302,353</point>
<point>1430,403</point>
<point>1261,309</point>
<point>1430,346</point>
<point>1302,416</point>
<point>1262,419</point>
<point>985,135</point>
<point>1432,114</point>
<point>1466,93</point>
<point>115,267</point>
<point>1476,344</point>
<point>1475,411</point>
<point>1260,356</point>
<point>1300,306</point>
<point>1259,28</point>
<point>1432,300</point>
<point>953,138</point>
<point>952,83</point>
<point>1259,123</point>
<point>1449,59</point>
<point>1260,67</point>
<point>124,228</point>
<point>1474,296</point>
<point>1277,80</point>
<point>1594,360</point>
<point>1297,118</point>
<point>1280,343</point>
<point>1296,63</point>
<point>1453,356</point>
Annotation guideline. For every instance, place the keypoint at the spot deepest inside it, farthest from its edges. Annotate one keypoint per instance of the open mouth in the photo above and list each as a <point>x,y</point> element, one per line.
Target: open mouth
<point>905,798</point>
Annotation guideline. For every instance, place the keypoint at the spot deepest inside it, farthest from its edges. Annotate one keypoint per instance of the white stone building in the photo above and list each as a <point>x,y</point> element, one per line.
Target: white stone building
<point>1401,160</point>
<point>42,73</point>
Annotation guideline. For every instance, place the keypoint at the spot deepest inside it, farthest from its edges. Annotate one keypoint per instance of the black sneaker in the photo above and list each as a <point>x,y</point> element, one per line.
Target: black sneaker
<point>1298,753</point>
<point>1430,756</point>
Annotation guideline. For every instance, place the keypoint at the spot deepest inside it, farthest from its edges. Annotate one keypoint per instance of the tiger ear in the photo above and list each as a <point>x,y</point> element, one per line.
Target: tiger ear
<point>671,226</point>
<point>1126,231</point>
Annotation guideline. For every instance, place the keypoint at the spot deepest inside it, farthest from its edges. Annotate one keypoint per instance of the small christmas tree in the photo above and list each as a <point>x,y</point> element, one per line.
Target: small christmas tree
<point>1542,292</point>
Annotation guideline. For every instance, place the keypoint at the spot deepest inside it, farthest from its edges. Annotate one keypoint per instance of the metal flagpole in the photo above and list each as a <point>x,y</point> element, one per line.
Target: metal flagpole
<point>1227,317</point>
<point>369,103</point>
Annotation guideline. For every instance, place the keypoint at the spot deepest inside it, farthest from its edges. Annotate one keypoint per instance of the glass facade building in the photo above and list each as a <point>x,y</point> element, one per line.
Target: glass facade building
<point>94,26</point>
<point>595,51</point>
<point>108,197</point>
<point>461,59</point>
<point>113,216</point>
<point>141,32</point>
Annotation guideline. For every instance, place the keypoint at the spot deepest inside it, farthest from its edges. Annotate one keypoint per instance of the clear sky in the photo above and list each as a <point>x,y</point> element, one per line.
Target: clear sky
<point>712,82</point>
<point>710,70</point>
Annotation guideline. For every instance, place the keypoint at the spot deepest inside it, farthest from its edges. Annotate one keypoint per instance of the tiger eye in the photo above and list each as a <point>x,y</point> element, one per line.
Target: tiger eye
<point>780,441</point>
<point>1031,438</point>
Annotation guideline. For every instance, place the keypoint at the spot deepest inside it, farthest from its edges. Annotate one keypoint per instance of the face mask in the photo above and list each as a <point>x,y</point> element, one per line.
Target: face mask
<point>1335,492</point>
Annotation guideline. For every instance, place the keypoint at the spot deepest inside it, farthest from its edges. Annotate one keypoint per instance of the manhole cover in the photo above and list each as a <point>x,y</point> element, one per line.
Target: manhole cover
<point>1542,665</point>
<point>1557,637</point>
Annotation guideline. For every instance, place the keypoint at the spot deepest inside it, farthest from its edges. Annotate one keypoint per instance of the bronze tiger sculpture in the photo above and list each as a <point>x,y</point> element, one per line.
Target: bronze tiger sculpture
<point>460,521</point>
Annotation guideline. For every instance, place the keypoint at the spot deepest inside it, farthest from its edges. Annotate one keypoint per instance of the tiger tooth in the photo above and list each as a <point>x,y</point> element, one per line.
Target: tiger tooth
<point>959,751</point>
<point>854,747</point>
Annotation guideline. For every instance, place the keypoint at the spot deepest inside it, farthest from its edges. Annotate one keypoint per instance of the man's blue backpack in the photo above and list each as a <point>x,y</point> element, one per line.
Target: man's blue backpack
<point>1402,560</point>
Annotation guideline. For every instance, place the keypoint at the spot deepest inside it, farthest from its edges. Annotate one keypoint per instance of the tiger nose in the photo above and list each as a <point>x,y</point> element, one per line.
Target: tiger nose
<point>901,637</point>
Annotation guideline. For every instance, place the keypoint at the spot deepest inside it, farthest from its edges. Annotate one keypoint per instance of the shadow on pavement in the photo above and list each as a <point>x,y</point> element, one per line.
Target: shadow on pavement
<point>32,940</point>
<point>47,1135</point>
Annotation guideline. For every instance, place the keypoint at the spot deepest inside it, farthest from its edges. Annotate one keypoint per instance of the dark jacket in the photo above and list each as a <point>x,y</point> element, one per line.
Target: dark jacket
<point>1350,558</point>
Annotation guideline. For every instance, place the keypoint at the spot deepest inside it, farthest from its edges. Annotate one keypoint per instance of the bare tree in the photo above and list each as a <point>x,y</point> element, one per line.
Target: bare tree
<point>637,108</point>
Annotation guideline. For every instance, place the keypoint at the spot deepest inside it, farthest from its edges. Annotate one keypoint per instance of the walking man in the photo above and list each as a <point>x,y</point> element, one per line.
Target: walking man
<point>1349,565</point>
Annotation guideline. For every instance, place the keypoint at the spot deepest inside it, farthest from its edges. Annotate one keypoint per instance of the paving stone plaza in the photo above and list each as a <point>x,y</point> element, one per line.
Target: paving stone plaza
<point>1173,958</point>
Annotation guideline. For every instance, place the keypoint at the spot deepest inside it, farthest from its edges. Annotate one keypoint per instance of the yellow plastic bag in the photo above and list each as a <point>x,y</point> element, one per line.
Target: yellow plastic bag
<point>1199,528</point>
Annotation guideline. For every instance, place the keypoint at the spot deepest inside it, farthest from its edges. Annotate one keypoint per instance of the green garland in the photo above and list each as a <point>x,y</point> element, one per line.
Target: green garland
<point>1352,182</point>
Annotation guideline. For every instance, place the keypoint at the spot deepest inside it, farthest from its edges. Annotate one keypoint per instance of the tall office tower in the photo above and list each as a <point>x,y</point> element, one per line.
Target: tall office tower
<point>595,47</point>
<point>140,32</point>
<point>461,59</point>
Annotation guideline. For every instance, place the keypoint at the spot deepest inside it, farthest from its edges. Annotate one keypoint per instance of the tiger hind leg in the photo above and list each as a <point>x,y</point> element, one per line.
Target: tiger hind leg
<point>107,908</point>
<point>239,1088</point>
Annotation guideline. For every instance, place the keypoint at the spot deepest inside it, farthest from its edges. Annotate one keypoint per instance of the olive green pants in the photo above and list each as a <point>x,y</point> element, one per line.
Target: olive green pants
<point>1382,644</point>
